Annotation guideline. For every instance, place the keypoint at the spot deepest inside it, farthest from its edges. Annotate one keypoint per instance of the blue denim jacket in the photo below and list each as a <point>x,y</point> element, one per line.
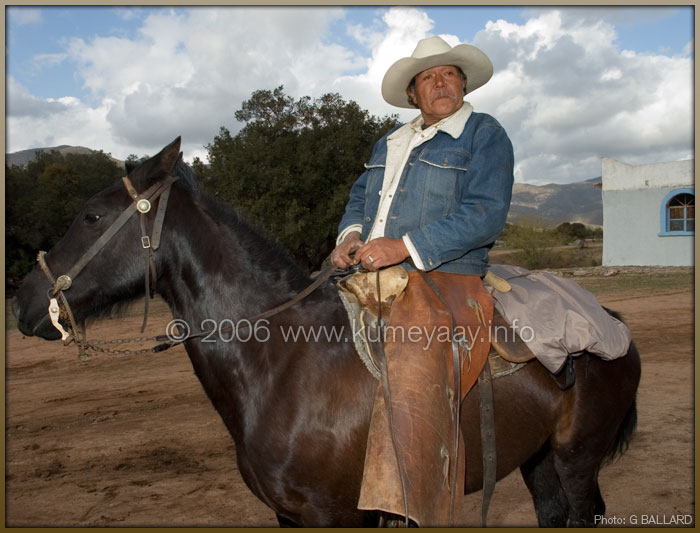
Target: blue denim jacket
<point>452,199</point>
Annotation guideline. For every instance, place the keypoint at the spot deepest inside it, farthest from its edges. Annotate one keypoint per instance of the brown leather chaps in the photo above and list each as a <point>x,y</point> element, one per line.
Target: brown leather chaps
<point>409,462</point>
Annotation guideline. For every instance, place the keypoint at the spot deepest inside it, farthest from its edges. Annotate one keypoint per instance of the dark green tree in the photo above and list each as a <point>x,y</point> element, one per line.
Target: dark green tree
<point>42,199</point>
<point>291,166</point>
<point>571,232</point>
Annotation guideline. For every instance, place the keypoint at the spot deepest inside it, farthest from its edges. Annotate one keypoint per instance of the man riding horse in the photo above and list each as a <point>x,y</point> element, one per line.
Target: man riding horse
<point>308,420</point>
<point>434,198</point>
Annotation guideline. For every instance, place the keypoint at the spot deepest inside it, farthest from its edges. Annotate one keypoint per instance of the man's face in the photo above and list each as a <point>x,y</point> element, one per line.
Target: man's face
<point>438,93</point>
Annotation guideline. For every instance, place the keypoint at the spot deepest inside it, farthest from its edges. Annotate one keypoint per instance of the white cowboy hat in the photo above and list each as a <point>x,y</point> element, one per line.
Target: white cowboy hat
<point>435,52</point>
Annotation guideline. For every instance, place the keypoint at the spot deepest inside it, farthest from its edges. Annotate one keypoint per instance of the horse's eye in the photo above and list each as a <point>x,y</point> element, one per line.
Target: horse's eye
<point>91,218</point>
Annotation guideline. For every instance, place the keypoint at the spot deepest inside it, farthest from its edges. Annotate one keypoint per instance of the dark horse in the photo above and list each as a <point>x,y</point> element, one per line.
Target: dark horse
<point>299,410</point>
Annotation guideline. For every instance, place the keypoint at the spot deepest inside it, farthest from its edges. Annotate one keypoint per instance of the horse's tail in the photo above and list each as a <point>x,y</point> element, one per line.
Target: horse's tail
<point>624,434</point>
<point>612,313</point>
<point>629,423</point>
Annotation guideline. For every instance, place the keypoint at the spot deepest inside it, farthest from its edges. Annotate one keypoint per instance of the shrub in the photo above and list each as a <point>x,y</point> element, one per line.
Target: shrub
<point>535,245</point>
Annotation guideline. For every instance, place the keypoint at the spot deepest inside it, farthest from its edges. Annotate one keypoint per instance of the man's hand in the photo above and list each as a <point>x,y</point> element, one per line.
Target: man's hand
<point>340,256</point>
<point>381,252</point>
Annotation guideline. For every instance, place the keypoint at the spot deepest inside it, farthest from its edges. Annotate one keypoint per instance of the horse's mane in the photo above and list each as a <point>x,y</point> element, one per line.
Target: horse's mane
<point>187,180</point>
<point>264,252</point>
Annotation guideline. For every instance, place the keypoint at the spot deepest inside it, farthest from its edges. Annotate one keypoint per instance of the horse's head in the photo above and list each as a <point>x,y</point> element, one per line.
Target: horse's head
<point>116,272</point>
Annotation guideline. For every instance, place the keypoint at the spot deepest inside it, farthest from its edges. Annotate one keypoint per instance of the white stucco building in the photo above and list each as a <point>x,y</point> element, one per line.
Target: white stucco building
<point>648,213</point>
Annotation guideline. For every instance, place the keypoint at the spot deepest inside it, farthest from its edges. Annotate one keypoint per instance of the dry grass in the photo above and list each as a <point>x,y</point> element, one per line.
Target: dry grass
<point>648,281</point>
<point>556,257</point>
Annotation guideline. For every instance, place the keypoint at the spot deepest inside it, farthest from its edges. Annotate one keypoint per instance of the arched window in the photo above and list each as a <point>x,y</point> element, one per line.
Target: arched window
<point>678,213</point>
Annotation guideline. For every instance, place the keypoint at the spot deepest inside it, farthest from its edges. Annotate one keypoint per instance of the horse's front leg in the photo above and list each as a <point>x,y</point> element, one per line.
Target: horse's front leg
<point>286,522</point>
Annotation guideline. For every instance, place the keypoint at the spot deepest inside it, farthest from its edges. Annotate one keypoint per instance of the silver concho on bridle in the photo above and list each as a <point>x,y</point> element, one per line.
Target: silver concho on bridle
<point>143,206</point>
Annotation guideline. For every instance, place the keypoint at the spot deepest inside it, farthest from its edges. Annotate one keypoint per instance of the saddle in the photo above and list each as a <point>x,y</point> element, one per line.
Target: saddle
<point>414,464</point>
<point>368,296</point>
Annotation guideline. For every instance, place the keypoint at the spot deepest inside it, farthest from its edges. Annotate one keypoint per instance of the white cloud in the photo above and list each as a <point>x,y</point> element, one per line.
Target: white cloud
<point>187,72</point>
<point>23,15</point>
<point>42,61</point>
<point>34,123</point>
<point>404,27</point>
<point>567,97</point>
<point>562,89</point>
<point>22,104</point>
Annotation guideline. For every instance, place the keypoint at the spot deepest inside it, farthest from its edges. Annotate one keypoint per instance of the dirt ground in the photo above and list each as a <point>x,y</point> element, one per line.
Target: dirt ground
<point>133,440</point>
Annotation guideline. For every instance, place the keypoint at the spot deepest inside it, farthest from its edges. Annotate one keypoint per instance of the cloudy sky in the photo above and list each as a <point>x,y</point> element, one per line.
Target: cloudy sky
<point>571,85</point>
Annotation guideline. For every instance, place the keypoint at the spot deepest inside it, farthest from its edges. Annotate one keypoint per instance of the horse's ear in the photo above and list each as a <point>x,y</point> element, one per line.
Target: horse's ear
<point>169,155</point>
<point>155,168</point>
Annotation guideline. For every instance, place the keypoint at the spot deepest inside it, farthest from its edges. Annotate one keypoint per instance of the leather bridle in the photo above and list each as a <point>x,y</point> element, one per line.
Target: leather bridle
<point>141,204</point>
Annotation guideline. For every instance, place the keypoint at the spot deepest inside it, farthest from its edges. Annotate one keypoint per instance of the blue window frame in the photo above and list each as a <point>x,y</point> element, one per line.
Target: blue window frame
<point>678,213</point>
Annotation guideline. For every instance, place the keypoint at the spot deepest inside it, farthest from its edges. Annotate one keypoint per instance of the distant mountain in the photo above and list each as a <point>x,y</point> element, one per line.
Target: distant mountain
<point>549,204</point>
<point>554,203</point>
<point>23,157</point>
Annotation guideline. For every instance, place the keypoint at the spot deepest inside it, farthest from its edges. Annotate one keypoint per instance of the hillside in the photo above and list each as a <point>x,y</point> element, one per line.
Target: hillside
<point>555,203</point>
<point>23,157</point>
